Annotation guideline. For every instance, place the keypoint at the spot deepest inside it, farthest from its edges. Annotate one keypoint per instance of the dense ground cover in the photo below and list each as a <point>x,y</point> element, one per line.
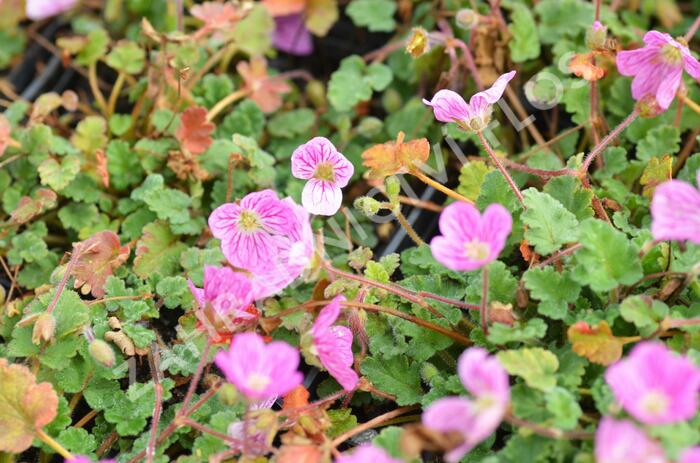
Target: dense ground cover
<point>366,230</point>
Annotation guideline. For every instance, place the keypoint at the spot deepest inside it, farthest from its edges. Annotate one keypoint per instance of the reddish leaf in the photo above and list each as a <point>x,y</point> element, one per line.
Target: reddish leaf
<point>582,65</point>
<point>24,407</point>
<point>266,91</point>
<point>299,454</point>
<point>29,208</point>
<point>194,133</point>
<point>99,256</point>
<point>5,137</point>
<point>297,398</point>
<point>102,170</point>
<point>596,343</point>
<point>395,157</point>
<point>217,16</point>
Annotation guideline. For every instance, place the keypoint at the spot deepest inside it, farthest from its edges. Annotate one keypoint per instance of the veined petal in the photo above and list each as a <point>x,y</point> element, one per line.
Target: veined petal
<point>448,106</point>
<point>495,92</point>
<point>675,212</point>
<point>321,197</point>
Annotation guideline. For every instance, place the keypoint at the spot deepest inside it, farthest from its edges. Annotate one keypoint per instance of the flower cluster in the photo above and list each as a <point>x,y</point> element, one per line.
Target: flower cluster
<point>476,418</point>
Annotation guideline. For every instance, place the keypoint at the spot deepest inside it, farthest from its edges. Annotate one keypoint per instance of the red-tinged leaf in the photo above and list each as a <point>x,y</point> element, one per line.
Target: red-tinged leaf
<point>656,172</point>
<point>299,454</point>
<point>395,156</point>
<point>5,137</point>
<point>24,407</point>
<point>194,133</point>
<point>28,207</point>
<point>297,398</point>
<point>596,343</point>
<point>217,16</point>
<point>265,90</point>
<point>99,256</point>
<point>102,171</point>
<point>582,65</point>
<point>284,7</point>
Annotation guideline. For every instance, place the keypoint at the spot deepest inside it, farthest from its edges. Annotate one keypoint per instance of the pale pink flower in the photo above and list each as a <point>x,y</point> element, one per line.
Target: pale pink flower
<point>655,385</point>
<point>367,454</point>
<point>622,442</point>
<point>449,106</point>
<point>42,9</point>
<point>475,418</point>
<point>333,345</point>
<point>257,438</point>
<point>252,231</point>
<point>470,240</point>
<point>675,211</point>
<point>657,67</point>
<point>226,291</point>
<point>294,255</point>
<point>326,170</point>
<point>260,371</point>
<point>690,455</point>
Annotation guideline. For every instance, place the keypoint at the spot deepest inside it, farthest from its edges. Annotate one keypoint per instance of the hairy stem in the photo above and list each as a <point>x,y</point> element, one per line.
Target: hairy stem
<point>221,105</point>
<point>439,186</point>
<point>48,440</point>
<point>500,167</point>
<point>77,248</point>
<point>407,226</point>
<point>600,147</point>
<point>95,88</point>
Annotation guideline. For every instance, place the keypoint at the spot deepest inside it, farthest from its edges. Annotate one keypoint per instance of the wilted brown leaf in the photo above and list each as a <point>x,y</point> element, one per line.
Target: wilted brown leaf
<point>194,133</point>
<point>24,407</point>
<point>597,343</point>
<point>582,65</point>
<point>99,256</point>
<point>395,156</point>
<point>265,90</point>
<point>185,166</point>
<point>29,208</point>
<point>102,171</point>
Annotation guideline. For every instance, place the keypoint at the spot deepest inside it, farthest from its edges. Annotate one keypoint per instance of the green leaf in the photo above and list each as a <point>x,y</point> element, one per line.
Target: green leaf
<point>529,331</point>
<point>375,15</point>
<point>246,119</point>
<point>123,165</point>
<point>77,440</point>
<point>174,291</point>
<point>525,43</point>
<point>564,406</point>
<point>119,124</point>
<point>58,175</point>
<point>549,224</point>
<point>555,290</point>
<point>291,123</point>
<point>394,376</point>
<point>563,18</point>
<point>158,251</point>
<point>495,189</point>
<point>127,57</point>
<point>379,76</point>
<point>341,420</point>
<point>607,258</point>
<point>353,82</point>
<point>643,311</point>
<point>253,34</point>
<point>535,365</point>
<point>95,47</point>
<point>664,139</point>
<point>28,246</point>
<point>502,285</point>
<point>169,204</point>
<point>90,134</point>
<point>572,195</point>
<point>471,177</point>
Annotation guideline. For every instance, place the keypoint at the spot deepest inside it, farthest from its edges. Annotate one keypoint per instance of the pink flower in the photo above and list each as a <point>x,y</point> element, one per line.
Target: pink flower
<point>449,106</point>
<point>367,454</point>
<point>657,67</point>
<point>326,170</point>
<point>42,9</point>
<point>470,240</point>
<point>621,441</point>
<point>292,36</point>
<point>257,438</point>
<point>333,345</point>
<point>487,381</point>
<point>258,370</point>
<point>690,455</point>
<point>225,290</point>
<point>675,211</point>
<point>252,231</point>
<point>655,385</point>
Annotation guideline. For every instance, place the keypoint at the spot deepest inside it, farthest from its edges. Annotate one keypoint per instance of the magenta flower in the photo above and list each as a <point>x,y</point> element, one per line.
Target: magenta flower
<point>333,345</point>
<point>292,36</point>
<point>690,455</point>
<point>226,291</point>
<point>621,441</point>
<point>655,385</point>
<point>657,67</point>
<point>252,231</point>
<point>326,170</point>
<point>470,240</point>
<point>260,371</point>
<point>367,454</point>
<point>449,106</point>
<point>675,211</point>
<point>42,9</point>
<point>487,381</point>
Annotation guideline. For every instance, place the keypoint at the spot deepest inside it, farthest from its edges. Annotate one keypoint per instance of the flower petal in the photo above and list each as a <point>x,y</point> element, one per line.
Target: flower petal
<point>448,106</point>
<point>321,198</point>
<point>675,212</point>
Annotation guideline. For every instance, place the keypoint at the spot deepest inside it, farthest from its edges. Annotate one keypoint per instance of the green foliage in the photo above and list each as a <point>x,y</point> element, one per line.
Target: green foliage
<point>354,82</point>
<point>395,376</point>
<point>375,15</point>
<point>549,224</point>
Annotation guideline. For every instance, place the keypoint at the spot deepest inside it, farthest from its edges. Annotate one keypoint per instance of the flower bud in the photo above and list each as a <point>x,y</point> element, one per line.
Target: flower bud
<point>393,187</point>
<point>596,35</point>
<point>102,353</point>
<point>228,394</point>
<point>368,206</point>
<point>467,18</point>
<point>44,328</point>
<point>316,93</point>
<point>648,107</point>
<point>370,127</point>
<point>418,44</point>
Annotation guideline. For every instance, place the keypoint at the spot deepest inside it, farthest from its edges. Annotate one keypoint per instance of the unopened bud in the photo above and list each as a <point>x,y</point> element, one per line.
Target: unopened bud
<point>102,353</point>
<point>368,206</point>
<point>228,394</point>
<point>309,424</point>
<point>596,35</point>
<point>316,93</point>
<point>44,328</point>
<point>393,187</point>
<point>467,18</point>
<point>418,44</point>
<point>648,107</point>
<point>370,127</point>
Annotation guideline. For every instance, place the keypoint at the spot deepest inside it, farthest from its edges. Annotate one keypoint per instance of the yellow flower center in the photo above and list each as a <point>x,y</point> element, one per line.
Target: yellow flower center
<point>249,221</point>
<point>476,250</point>
<point>324,171</point>
<point>671,55</point>
<point>655,403</point>
<point>258,382</point>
